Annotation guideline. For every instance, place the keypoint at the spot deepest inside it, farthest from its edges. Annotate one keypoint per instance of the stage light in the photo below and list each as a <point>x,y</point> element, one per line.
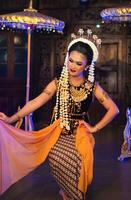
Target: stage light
<point>84,2</point>
<point>98,25</point>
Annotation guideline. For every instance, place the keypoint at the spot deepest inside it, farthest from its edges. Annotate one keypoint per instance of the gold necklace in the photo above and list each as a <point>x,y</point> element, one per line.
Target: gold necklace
<point>80,93</point>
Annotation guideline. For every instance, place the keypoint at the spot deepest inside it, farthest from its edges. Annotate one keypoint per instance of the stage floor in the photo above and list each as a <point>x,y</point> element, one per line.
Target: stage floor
<point>112,178</point>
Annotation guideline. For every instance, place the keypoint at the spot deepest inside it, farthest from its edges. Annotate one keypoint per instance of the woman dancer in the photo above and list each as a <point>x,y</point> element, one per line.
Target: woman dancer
<point>69,141</point>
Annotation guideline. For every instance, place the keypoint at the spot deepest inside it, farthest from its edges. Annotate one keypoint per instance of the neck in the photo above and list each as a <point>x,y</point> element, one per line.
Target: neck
<point>76,80</point>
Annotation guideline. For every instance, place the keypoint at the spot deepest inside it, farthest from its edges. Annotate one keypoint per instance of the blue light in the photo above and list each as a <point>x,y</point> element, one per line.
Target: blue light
<point>84,2</point>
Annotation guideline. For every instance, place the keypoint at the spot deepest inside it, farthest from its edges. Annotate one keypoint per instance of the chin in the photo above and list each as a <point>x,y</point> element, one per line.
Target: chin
<point>73,74</point>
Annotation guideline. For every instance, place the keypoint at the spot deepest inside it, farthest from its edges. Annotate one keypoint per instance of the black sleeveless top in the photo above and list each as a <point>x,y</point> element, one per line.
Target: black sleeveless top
<point>80,99</point>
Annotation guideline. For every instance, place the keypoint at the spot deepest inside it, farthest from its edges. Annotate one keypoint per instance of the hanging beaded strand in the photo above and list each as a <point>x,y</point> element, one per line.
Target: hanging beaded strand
<point>91,74</point>
<point>62,97</point>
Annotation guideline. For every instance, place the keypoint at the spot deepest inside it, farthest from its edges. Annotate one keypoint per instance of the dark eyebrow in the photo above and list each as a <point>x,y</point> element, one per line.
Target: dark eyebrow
<point>79,62</point>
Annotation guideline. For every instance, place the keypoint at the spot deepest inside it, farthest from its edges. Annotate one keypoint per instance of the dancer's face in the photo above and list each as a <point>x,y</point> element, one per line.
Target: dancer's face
<point>77,63</point>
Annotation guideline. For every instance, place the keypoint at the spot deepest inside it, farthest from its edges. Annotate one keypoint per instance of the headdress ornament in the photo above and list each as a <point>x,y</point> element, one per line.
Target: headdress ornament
<point>92,40</point>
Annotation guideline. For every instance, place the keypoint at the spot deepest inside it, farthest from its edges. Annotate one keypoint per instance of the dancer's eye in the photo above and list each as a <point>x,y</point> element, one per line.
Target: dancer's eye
<point>71,60</point>
<point>79,63</point>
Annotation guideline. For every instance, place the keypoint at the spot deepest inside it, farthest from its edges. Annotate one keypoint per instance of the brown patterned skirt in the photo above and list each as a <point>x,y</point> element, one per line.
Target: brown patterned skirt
<point>65,163</point>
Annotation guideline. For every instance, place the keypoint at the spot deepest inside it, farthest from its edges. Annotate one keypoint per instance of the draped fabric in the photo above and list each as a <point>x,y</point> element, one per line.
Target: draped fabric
<point>22,151</point>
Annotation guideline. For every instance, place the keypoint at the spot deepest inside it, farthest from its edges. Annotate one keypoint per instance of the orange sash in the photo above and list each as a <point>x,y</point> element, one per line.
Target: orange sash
<point>22,151</point>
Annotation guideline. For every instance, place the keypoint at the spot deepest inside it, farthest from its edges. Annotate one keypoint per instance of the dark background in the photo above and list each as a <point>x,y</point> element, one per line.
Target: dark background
<point>48,52</point>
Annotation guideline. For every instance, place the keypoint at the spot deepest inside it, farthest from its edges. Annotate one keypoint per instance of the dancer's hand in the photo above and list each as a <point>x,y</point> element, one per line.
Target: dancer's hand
<point>91,129</point>
<point>5,118</point>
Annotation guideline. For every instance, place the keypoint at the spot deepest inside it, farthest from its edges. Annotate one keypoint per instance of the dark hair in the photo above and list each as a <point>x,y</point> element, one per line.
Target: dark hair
<point>83,48</point>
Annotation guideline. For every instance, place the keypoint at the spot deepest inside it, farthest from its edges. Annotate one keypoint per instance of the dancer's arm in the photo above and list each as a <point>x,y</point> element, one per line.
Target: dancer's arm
<point>109,105</point>
<point>32,105</point>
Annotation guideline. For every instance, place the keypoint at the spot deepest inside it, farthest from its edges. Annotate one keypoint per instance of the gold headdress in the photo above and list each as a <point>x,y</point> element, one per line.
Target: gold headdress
<point>63,95</point>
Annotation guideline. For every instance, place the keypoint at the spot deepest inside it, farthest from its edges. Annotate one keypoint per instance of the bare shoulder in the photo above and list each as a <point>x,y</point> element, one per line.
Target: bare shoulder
<point>103,97</point>
<point>52,84</point>
<point>98,88</point>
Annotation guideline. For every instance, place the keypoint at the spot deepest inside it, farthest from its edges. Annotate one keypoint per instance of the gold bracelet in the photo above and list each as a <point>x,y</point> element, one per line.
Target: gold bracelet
<point>103,98</point>
<point>97,129</point>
